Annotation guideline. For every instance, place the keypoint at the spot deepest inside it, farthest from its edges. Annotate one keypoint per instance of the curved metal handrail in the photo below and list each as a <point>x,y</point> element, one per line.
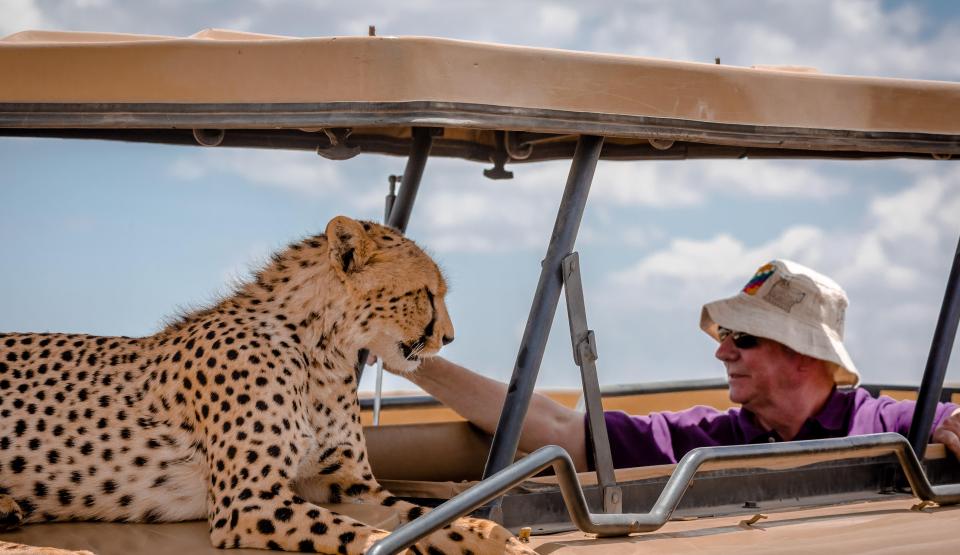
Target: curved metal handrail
<point>623,524</point>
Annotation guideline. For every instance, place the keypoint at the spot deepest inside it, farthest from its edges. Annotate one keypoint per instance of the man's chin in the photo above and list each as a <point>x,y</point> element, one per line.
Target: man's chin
<point>737,396</point>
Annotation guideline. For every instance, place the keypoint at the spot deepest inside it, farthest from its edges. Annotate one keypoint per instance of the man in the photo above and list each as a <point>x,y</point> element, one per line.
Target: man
<point>781,341</point>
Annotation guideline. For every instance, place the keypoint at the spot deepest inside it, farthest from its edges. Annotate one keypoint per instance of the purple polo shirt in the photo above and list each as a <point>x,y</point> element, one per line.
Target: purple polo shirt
<point>665,437</point>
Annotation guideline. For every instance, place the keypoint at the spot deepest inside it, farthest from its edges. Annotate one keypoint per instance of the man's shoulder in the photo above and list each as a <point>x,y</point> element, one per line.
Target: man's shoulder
<point>706,417</point>
<point>690,416</point>
<point>856,399</point>
<point>863,403</point>
<point>854,396</point>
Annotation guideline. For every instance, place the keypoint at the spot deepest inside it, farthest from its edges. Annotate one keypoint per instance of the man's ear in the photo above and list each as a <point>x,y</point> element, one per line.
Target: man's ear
<point>350,247</point>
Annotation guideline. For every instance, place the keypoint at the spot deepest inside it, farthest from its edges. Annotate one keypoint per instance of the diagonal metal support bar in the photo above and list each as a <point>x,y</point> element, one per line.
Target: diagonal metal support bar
<point>585,356</point>
<point>534,341</point>
<point>936,369</point>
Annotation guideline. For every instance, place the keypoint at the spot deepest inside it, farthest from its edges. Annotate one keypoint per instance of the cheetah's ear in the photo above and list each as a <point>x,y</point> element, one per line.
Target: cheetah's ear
<point>350,247</point>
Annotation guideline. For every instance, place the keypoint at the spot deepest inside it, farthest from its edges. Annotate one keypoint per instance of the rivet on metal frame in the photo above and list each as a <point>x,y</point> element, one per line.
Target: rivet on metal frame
<point>661,144</point>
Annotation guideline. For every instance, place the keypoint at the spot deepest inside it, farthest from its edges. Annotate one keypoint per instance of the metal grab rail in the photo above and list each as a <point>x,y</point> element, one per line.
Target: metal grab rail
<point>623,524</point>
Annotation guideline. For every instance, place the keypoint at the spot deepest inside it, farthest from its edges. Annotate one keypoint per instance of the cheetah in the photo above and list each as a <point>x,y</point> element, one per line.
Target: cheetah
<point>244,413</point>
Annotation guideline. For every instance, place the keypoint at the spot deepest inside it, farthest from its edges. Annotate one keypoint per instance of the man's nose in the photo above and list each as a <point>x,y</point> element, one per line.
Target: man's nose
<point>726,350</point>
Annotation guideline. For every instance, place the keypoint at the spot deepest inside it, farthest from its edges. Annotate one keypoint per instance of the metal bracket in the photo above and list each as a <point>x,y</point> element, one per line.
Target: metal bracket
<point>586,349</point>
<point>514,148</point>
<point>499,157</point>
<point>209,137</point>
<point>585,355</point>
<point>391,197</point>
<point>338,149</point>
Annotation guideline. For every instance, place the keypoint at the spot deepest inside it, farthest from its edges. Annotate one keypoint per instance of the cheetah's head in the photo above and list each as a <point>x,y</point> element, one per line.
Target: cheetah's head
<point>395,289</point>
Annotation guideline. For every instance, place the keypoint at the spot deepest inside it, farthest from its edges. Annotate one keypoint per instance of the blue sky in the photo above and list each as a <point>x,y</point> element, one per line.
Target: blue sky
<point>112,238</point>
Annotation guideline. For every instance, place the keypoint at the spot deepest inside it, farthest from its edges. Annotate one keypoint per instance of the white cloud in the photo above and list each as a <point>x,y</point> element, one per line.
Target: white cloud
<point>857,16</point>
<point>687,270</point>
<point>240,23</point>
<point>640,236</point>
<point>558,20</point>
<point>496,216</point>
<point>694,182</point>
<point>299,172</point>
<point>86,4</point>
<point>856,37</point>
<point>763,178</point>
<point>20,15</point>
<point>917,213</point>
<point>639,184</point>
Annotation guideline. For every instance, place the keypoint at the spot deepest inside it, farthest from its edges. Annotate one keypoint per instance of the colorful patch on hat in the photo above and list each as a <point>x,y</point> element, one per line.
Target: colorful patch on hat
<point>758,279</point>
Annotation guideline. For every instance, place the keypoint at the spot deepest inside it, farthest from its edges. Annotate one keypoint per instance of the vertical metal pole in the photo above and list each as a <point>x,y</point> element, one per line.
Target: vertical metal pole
<point>378,389</point>
<point>410,183</point>
<point>544,306</point>
<point>403,205</point>
<point>936,370</point>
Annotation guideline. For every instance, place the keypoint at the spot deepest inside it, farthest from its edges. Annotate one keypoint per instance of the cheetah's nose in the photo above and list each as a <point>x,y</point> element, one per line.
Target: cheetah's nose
<point>447,340</point>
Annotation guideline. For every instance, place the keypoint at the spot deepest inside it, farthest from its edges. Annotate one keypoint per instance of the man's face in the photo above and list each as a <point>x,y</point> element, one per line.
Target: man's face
<point>760,377</point>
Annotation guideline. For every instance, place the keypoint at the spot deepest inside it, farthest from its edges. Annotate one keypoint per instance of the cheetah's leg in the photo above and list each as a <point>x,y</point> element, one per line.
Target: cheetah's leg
<point>342,474</point>
<point>252,502</point>
<point>460,536</point>
<point>464,535</point>
<point>286,522</point>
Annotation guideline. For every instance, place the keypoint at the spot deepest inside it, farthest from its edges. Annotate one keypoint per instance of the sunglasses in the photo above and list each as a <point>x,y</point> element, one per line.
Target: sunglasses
<point>740,339</point>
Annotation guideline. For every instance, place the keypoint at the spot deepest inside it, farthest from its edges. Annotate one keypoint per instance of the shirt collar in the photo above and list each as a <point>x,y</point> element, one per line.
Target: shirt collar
<point>831,417</point>
<point>752,431</point>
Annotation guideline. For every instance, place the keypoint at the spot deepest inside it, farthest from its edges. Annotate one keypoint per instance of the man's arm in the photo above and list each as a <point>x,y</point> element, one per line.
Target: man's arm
<point>480,399</point>
<point>948,433</point>
<point>883,414</point>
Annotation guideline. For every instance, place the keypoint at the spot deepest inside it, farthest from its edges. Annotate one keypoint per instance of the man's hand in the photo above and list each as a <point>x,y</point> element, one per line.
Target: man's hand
<point>372,361</point>
<point>948,433</point>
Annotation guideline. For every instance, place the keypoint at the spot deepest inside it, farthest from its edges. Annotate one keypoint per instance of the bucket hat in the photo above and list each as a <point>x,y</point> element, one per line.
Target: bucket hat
<point>793,305</point>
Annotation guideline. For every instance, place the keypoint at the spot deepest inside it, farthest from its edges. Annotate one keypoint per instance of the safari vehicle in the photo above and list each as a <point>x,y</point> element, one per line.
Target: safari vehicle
<point>500,105</point>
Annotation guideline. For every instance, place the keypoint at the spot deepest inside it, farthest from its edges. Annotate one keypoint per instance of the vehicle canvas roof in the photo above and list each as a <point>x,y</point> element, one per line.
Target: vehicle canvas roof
<point>384,85</point>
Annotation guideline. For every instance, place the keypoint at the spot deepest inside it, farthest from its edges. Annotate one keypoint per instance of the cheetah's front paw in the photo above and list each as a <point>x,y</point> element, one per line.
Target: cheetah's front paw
<point>7,548</point>
<point>10,514</point>
<point>516,547</point>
